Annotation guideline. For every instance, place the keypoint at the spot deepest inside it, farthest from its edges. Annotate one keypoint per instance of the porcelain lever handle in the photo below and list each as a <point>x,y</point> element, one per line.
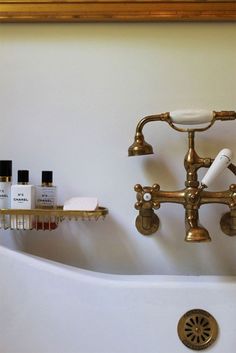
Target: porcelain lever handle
<point>221,162</point>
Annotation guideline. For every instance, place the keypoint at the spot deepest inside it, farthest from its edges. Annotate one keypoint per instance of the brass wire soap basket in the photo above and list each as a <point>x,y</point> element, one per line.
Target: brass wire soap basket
<point>45,219</point>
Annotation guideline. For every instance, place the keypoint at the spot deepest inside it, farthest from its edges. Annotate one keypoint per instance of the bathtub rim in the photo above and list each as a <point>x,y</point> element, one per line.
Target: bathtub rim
<point>77,273</point>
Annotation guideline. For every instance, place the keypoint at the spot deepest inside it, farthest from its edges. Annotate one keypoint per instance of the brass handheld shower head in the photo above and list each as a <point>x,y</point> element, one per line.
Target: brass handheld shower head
<point>140,146</point>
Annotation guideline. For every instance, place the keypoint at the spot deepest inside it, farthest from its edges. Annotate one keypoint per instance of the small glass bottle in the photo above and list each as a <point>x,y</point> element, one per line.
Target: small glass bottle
<point>5,190</point>
<point>46,198</point>
<point>22,197</point>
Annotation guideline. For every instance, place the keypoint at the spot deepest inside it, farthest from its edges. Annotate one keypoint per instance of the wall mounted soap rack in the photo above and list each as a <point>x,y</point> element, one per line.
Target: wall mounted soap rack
<point>45,219</point>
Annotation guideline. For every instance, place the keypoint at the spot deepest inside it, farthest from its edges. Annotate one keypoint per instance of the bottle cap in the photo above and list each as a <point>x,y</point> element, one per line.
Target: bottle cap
<point>6,168</point>
<point>23,176</point>
<point>47,176</point>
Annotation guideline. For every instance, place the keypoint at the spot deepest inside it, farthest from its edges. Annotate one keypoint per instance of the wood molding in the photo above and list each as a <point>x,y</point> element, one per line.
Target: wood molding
<point>117,10</point>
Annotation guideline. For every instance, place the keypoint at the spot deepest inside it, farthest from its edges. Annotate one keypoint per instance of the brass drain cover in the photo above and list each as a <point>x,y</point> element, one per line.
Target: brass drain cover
<point>197,329</point>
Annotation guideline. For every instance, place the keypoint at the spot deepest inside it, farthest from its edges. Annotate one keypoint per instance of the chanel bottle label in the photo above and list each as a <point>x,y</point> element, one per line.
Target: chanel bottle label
<point>46,197</point>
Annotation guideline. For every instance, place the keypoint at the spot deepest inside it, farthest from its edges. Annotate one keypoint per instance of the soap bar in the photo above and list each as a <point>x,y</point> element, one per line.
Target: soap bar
<point>81,204</point>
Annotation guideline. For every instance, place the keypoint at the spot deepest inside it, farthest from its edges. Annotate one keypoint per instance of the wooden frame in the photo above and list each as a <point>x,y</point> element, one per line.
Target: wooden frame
<point>116,10</point>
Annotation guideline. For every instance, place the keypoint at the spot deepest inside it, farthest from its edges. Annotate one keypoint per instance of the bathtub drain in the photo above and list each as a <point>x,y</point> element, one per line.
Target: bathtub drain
<point>197,329</point>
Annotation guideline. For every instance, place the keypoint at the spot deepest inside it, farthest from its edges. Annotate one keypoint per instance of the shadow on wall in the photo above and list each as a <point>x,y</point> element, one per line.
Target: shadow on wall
<point>159,170</point>
<point>12,240</point>
<point>102,246</point>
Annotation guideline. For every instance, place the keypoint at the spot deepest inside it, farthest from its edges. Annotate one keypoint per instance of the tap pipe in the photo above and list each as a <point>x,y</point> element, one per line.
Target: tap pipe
<point>151,118</point>
<point>224,115</point>
<point>192,162</point>
<point>162,196</point>
<point>194,196</point>
<point>227,197</point>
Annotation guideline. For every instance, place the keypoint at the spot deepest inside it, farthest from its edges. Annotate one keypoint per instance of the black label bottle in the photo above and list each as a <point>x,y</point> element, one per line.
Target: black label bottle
<point>22,197</point>
<point>5,190</point>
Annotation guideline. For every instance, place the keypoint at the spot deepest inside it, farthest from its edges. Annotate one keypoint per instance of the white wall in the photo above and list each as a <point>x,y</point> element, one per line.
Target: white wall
<point>71,96</point>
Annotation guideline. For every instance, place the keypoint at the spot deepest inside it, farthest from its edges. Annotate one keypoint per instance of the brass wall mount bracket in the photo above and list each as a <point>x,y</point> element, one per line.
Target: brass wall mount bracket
<point>228,223</point>
<point>194,194</point>
<point>147,222</point>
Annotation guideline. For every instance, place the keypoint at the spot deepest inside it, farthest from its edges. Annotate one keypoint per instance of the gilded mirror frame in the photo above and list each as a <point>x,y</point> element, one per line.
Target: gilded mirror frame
<point>116,10</point>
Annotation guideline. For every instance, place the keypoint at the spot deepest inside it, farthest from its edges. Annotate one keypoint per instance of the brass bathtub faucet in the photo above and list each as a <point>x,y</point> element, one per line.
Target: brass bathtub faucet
<point>194,194</point>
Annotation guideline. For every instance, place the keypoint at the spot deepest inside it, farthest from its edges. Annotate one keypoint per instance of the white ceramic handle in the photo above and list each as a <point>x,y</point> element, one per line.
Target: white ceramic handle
<point>221,162</point>
<point>147,196</point>
<point>191,116</point>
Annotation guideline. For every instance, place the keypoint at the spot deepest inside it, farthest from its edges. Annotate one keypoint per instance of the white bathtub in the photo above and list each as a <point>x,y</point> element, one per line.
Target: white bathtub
<point>47,307</point>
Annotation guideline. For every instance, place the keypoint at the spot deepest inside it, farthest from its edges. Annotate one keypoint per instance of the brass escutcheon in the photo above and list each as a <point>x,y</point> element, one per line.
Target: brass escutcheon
<point>197,329</point>
<point>228,223</point>
<point>147,222</point>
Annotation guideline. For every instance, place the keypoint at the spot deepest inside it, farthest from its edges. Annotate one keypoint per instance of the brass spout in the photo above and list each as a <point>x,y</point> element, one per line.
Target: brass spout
<point>197,235</point>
